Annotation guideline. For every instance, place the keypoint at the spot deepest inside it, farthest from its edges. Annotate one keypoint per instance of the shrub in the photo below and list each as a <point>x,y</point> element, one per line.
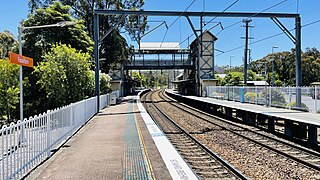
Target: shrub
<point>277,97</point>
<point>293,105</point>
<point>250,96</point>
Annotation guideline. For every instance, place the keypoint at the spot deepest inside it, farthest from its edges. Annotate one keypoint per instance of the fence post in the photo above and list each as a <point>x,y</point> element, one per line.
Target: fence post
<point>315,99</point>
<point>270,96</point>
<point>48,133</point>
<point>2,150</point>
<point>290,94</point>
<point>232,93</point>
<point>71,119</point>
<point>21,143</point>
<point>256,91</point>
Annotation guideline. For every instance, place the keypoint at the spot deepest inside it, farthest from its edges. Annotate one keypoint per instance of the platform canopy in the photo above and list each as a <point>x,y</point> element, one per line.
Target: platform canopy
<point>159,46</point>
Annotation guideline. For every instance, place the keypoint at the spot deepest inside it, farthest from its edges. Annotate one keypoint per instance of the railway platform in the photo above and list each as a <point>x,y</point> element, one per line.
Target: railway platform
<point>297,124</point>
<point>120,142</point>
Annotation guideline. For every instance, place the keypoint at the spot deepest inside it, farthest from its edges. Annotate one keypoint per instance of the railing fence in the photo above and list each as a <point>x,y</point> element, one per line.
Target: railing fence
<point>284,97</point>
<point>25,144</point>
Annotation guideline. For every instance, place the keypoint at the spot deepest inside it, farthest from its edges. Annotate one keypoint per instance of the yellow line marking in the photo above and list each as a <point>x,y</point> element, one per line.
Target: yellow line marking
<point>144,149</point>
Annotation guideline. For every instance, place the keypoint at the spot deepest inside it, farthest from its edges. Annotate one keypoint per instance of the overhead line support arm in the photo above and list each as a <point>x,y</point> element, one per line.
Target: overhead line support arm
<point>284,29</point>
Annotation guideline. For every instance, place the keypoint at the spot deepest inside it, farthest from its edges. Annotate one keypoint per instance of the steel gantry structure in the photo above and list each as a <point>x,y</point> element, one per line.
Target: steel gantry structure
<point>274,16</point>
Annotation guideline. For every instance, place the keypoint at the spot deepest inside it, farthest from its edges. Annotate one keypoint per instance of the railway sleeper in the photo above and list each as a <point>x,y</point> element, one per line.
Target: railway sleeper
<point>198,157</point>
<point>313,160</point>
<point>208,167</point>
<point>195,162</point>
<point>302,156</point>
<point>214,173</point>
<point>292,152</point>
<point>186,147</point>
<point>184,144</point>
<point>192,153</point>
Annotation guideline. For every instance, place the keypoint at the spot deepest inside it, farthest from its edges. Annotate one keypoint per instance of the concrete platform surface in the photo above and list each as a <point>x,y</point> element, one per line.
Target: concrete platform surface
<point>99,149</point>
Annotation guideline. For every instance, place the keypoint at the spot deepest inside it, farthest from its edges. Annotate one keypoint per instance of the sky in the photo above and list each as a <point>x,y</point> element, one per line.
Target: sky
<point>13,11</point>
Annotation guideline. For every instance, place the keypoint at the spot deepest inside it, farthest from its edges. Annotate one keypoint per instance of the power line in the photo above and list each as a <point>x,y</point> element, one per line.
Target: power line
<point>238,22</point>
<point>311,23</point>
<point>182,13</point>
<point>224,27</point>
<point>165,34</point>
<point>269,37</point>
<point>209,21</point>
<point>222,12</point>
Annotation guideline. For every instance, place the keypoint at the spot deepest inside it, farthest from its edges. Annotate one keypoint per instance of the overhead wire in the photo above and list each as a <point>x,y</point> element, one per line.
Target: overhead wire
<point>209,21</point>
<point>238,22</point>
<point>269,37</point>
<point>275,35</point>
<point>271,7</point>
<point>278,8</point>
<point>222,12</point>
<point>165,34</point>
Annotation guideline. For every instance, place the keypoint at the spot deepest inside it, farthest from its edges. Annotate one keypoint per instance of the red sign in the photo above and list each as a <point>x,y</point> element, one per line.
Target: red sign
<point>21,60</point>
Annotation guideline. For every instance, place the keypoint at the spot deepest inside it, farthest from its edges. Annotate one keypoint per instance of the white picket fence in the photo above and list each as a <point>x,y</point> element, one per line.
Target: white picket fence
<point>284,97</point>
<point>27,143</point>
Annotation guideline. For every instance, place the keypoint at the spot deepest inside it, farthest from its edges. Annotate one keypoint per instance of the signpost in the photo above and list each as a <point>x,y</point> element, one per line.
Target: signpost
<point>21,60</point>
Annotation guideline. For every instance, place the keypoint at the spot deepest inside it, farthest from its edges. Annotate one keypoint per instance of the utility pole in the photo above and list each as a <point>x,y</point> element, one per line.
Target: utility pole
<point>249,60</point>
<point>246,21</point>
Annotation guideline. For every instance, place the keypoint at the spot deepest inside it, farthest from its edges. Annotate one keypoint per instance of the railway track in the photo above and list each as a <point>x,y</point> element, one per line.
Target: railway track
<point>205,163</point>
<point>299,154</point>
<point>248,148</point>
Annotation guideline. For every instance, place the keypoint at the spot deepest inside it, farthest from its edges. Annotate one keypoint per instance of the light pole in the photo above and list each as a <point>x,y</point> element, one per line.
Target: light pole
<point>273,47</point>
<point>20,30</point>
<point>230,63</point>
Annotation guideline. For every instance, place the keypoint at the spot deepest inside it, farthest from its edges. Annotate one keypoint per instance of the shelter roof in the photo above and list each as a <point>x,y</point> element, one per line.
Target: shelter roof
<point>206,32</point>
<point>257,83</point>
<point>159,46</point>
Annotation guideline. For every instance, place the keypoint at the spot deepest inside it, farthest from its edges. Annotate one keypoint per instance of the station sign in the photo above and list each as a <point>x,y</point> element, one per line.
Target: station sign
<point>21,60</point>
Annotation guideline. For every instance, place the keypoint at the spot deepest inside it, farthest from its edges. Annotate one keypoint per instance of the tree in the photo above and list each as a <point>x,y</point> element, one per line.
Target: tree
<point>285,70</point>
<point>140,77</point>
<point>284,67</point>
<point>115,51</point>
<point>9,91</point>
<point>7,44</point>
<point>105,86</point>
<point>65,76</point>
<point>39,41</point>
<point>232,79</point>
<point>114,48</point>
<point>84,10</point>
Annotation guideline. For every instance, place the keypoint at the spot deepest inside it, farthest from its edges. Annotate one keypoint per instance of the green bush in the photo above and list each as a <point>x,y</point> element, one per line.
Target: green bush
<point>250,96</point>
<point>293,105</point>
<point>277,97</point>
